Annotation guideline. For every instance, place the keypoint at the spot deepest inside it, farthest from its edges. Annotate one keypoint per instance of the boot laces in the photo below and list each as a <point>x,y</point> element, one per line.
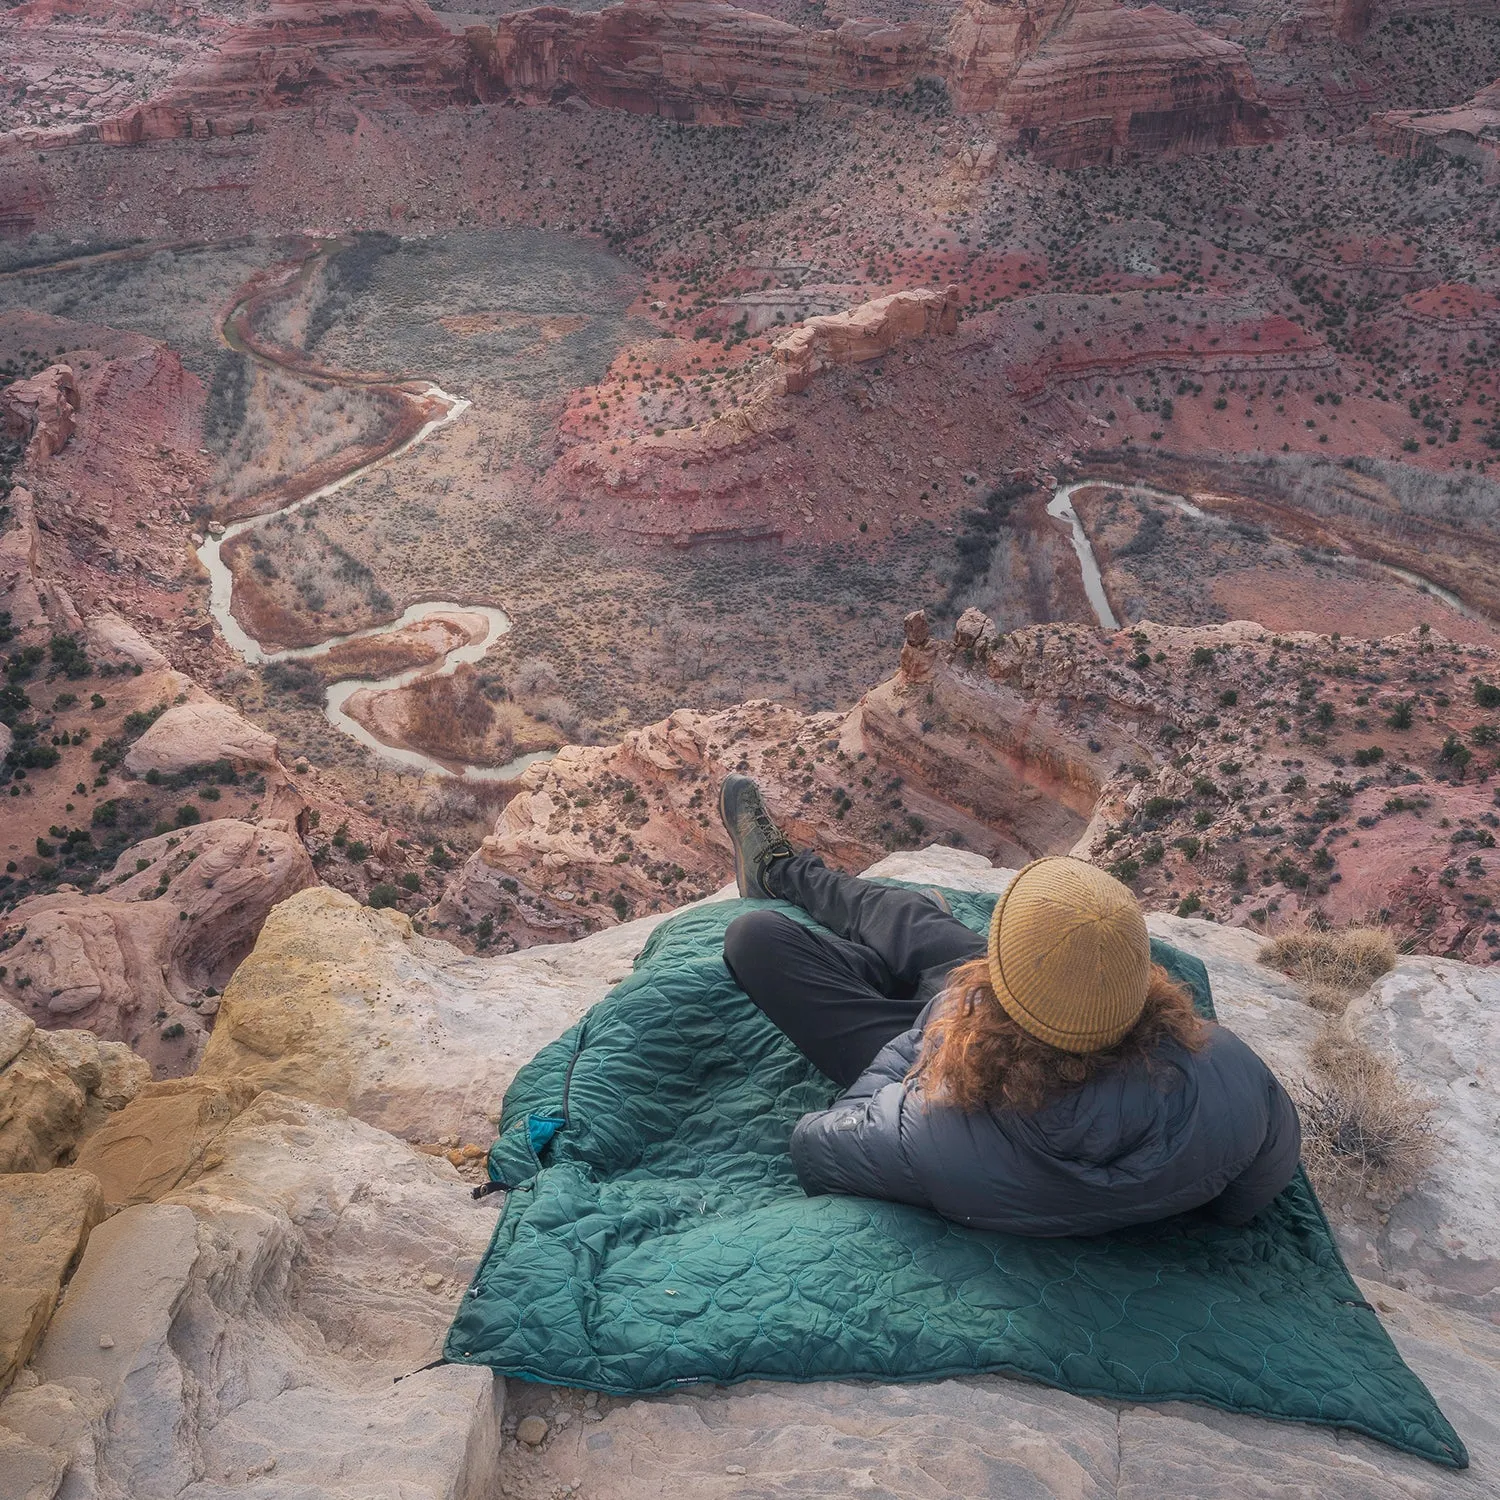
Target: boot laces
<point>776,840</point>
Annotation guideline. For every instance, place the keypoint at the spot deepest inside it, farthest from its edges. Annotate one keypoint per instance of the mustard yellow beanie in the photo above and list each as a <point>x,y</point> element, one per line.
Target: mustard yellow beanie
<point>1069,957</point>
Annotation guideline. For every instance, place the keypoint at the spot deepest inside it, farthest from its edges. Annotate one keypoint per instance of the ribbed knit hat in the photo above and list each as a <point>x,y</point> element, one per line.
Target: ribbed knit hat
<point>1069,957</point>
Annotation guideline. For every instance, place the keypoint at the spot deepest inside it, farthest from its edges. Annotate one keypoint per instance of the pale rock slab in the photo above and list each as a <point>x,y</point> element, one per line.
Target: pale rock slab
<point>114,638</point>
<point>1439,1021</point>
<point>940,1440</point>
<point>240,1337</point>
<point>199,733</point>
<point>349,1006</point>
<point>55,1086</point>
<point>112,1328</point>
<point>45,1219</point>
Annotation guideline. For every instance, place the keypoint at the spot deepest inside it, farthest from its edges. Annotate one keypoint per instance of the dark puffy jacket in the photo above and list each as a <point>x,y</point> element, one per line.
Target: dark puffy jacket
<point>1209,1128</point>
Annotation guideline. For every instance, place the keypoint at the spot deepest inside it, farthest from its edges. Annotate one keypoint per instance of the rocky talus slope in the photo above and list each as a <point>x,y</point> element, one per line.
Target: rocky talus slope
<point>252,1253</point>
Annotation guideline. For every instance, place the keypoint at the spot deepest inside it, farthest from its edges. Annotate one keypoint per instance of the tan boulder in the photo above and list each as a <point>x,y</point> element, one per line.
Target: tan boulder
<point>134,962</point>
<point>45,1219</point>
<point>40,411</point>
<point>349,1006</point>
<point>113,638</point>
<point>162,1138</point>
<point>864,333</point>
<point>195,734</point>
<point>55,1086</point>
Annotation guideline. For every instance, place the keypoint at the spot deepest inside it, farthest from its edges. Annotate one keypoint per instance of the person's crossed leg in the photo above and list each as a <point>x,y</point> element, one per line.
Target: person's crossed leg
<point>839,998</point>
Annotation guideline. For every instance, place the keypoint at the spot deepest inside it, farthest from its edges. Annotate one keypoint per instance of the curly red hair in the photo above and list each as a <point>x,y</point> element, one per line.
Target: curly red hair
<point>975,1057</point>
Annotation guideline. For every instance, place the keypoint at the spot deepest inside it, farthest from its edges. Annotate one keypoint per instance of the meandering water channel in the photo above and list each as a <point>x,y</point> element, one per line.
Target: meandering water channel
<point>336,699</point>
<point>1060,507</point>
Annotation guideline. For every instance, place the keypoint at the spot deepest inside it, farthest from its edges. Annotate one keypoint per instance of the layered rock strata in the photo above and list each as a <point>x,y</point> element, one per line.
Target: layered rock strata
<point>1470,132</point>
<point>1113,82</point>
<point>1078,83</point>
<point>235,72</point>
<point>701,60</point>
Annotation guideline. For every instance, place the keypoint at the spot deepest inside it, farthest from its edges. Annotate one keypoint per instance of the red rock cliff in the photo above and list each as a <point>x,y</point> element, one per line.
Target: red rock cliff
<point>699,60</point>
<point>1470,131</point>
<point>1079,83</point>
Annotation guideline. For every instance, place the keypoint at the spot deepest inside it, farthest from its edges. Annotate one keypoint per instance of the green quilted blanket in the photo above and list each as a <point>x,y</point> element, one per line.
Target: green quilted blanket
<point>654,1236</point>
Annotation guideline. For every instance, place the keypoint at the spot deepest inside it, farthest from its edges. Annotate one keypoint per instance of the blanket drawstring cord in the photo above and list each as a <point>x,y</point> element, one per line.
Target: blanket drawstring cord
<point>433,1366</point>
<point>486,1188</point>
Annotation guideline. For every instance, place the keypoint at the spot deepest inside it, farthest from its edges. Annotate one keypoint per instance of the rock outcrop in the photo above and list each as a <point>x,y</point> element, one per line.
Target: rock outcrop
<point>55,1086</point>
<point>115,640</point>
<point>1079,83</point>
<point>1087,83</point>
<point>198,734</point>
<point>143,960</point>
<point>600,833</point>
<point>235,70</point>
<point>351,1007</point>
<point>20,553</point>
<point>241,1334</point>
<point>45,1219</point>
<point>237,1324</point>
<point>1469,131</point>
<point>863,333</point>
<point>1113,82</point>
<point>701,60</point>
<point>1045,740</point>
<point>161,1139</point>
<point>40,412</point>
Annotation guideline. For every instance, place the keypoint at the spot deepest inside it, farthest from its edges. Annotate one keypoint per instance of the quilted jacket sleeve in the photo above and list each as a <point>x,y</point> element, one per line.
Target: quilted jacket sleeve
<point>1272,1167</point>
<point>855,1146</point>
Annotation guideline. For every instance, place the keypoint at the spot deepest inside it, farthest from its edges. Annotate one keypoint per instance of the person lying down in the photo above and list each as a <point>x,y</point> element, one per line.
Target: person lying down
<point>1048,1080</point>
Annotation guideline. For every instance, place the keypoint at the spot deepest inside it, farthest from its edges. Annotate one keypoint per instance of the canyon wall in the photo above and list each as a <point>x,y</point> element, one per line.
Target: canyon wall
<point>1112,81</point>
<point>1470,131</point>
<point>1078,83</point>
<point>700,60</point>
<point>289,54</point>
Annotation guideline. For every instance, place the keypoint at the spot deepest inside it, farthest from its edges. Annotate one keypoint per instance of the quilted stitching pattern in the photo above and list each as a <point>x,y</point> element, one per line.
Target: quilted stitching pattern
<point>661,1240</point>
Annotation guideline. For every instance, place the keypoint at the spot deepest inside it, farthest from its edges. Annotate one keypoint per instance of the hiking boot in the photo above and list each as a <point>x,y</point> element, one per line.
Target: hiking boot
<point>756,840</point>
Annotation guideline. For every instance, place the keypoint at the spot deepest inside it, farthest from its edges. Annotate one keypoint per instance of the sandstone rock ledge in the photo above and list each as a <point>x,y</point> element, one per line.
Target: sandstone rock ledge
<point>281,1254</point>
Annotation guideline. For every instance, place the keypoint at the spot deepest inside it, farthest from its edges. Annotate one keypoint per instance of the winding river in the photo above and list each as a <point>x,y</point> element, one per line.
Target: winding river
<point>1060,507</point>
<point>250,650</point>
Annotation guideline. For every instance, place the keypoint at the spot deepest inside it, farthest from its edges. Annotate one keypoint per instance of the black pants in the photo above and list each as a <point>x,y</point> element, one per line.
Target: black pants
<point>841,999</point>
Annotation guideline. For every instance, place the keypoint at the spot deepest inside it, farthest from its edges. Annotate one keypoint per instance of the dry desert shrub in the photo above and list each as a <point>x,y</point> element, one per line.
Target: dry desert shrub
<point>1335,966</point>
<point>451,716</point>
<point>1365,1133</point>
